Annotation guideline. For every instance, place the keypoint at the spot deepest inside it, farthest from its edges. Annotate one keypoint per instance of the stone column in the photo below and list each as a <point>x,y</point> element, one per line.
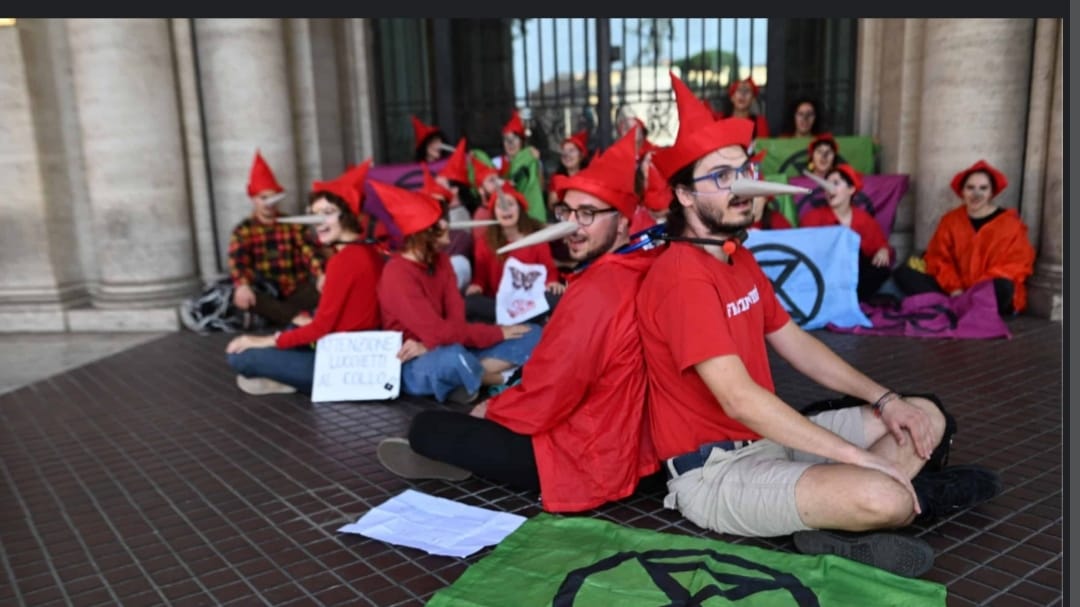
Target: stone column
<point>976,76</point>
<point>1040,99</point>
<point>129,123</point>
<point>316,94</point>
<point>245,93</point>
<point>1045,287</point>
<point>358,53</point>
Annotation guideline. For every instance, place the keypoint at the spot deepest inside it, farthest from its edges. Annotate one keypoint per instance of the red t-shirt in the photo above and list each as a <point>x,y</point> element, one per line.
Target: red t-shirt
<point>488,267</point>
<point>693,307</point>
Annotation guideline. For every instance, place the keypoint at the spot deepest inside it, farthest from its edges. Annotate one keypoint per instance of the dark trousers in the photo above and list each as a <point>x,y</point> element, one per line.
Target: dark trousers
<point>481,308</point>
<point>871,277</point>
<point>478,445</point>
<point>913,282</point>
<point>280,312</point>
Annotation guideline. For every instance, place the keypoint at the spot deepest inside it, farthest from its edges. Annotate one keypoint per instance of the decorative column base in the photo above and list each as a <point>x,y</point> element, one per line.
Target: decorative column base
<point>39,310</point>
<point>1044,292</point>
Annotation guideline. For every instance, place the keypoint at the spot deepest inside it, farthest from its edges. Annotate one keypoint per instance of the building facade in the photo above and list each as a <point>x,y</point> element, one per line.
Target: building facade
<point>127,142</point>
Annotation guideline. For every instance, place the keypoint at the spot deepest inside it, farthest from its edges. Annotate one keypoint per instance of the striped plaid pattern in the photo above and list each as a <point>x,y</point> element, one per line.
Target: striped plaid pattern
<point>285,254</point>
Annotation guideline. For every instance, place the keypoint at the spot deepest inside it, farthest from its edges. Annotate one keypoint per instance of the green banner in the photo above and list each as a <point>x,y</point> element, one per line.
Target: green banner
<point>788,155</point>
<point>579,562</point>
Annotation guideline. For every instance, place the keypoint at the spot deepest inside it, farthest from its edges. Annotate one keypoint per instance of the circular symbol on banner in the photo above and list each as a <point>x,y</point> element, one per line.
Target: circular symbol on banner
<point>412,180</point>
<point>711,573</point>
<point>803,307</point>
<point>818,198</point>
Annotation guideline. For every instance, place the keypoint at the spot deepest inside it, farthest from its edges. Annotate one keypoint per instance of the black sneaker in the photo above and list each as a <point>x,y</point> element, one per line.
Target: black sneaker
<point>954,488</point>
<point>894,552</point>
<point>461,396</point>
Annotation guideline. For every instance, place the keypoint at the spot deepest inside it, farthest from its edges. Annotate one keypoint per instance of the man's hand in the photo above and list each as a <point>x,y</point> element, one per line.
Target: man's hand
<point>480,410</point>
<point>410,350</point>
<point>955,292</point>
<point>872,461</point>
<point>245,342</point>
<point>881,258</point>
<point>320,281</point>
<point>900,415</point>
<point>473,290</point>
<point>514,331</point>
<point>301,319</point>
<point>243,297</point>
<point>556,288</point>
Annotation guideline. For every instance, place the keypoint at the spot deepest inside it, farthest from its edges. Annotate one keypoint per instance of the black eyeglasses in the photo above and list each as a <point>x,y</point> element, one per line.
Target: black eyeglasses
<point>725,176</point>
<point>585,215</point>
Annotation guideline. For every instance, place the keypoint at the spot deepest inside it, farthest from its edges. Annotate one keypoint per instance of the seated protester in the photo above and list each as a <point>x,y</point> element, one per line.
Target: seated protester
<point>460,257</point>
<point>285,362</point>
<point>442,355</point>
<point>266,257</point>
<point>573,157</point>
<point>739,459</point>
<point>429,142</point>
<point>521,166</point>
<point>455,177</point>
<point>767,215</point>
<point>572,428</point>
<point>655,197</point>
<point>975,242</point>
<point>821,153</point>
<point>805,118</point>
<point>487,181</point>
<point>876,256</point>
<point>511,210</point>
<point>741,95</point>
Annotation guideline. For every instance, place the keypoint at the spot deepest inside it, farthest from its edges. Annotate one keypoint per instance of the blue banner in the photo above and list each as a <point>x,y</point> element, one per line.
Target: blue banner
<point>814,272</point>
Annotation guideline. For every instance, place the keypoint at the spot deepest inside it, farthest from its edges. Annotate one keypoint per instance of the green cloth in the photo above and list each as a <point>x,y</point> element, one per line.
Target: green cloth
<point>578,561</point>
<point>785,202</point>
<point>525,175</point>
<point>788,155</point>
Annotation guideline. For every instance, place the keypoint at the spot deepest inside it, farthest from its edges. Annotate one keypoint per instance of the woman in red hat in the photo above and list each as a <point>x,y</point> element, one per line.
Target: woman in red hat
<point>509,208</point>
<point>573,157</point>
<point>975,242</point>
<point>821,154</point>
<point>285,361</point>
<point>430,142</point>
<point>740,99</point>
<point>443,355</point>
<point>875,254</point>
<point>521,166</point>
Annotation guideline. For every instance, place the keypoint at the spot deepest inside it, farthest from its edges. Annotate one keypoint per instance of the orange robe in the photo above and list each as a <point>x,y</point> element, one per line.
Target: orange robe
<point>958,256</point>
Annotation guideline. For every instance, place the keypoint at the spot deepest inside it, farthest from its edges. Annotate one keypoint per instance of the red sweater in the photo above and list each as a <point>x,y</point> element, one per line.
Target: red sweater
<point>488,267</point>
<point>348,300</point>
<point>427,306</point>
<point>871,238</point>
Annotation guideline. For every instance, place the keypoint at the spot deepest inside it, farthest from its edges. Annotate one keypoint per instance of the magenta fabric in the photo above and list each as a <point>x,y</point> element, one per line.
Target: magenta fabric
<point>406,175</point>
<point>885,191</point>
<point>971,315</point>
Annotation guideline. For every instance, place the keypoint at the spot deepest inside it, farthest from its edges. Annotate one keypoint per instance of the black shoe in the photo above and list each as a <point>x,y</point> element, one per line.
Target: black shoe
<point>954,488</point>
<point>896,553</point>
<point>461,396</point>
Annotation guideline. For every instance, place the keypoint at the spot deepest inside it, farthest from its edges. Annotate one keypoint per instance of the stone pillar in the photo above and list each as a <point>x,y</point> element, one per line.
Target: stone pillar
<point>316,93</point>
<point>1045,287</point>
<point>129,122</point>
<point>245,93</point>
<point>31,298</point>
<point>976,76</point>
<point>361,124</point>
<point>1040,99</point>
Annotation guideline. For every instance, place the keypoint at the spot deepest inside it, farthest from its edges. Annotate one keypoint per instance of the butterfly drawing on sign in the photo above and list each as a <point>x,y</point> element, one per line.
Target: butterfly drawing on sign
<point>524,280</point>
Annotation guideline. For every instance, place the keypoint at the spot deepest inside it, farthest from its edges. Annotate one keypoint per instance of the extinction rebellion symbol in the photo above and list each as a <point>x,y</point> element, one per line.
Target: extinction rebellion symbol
<point>796,279</point>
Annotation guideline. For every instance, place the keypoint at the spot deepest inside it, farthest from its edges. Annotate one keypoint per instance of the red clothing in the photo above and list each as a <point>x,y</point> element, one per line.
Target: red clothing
<point>774,220</point>
<point>958,256</point>
<point>488,267</point>
<point>641,220</point>
<point>582,393</point>
<point>693,307</point>
<point>285,254</point>
<point>871,238</point>
<point>348,299</point>
<point>428,306</point>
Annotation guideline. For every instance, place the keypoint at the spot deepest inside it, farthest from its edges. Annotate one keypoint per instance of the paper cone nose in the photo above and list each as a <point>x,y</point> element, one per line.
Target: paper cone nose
<point>548,234</point>
<point>473,223</point>
<point>447,147</point>
<point>827,186</point>
<point>276,198</point>
<point>753,187</point>
<point>308,220</point>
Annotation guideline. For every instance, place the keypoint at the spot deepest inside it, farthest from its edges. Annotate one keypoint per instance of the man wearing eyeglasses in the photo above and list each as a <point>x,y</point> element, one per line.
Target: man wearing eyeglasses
<point>573,427</point>
<point>739,459</point>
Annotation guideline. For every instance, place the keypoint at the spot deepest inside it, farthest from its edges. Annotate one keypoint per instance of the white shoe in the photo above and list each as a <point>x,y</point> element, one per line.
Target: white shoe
<point>262,385</point>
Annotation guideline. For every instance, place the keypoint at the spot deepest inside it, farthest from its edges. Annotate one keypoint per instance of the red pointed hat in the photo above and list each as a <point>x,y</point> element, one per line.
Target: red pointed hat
<point>508,188</point>
<point>852,174</point>
<point>699,134</point>
<point>658,195</point>
<point>818,140</point>
<point>262,178</point>
<point>514,125</point>
<point>349,186</point>
<point>422,131</point>
<point>998,182</point>
<point>432,187</point>
<point>580,140</point>
<point>455,168</point>
<point>481,171</point>
<point>734,86</point>
<point>610,176</point>
<point>412,212</point>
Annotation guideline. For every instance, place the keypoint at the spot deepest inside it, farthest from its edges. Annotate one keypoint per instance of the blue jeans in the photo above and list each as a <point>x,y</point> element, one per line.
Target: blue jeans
<point>295,367</point>
<point>439,371</point>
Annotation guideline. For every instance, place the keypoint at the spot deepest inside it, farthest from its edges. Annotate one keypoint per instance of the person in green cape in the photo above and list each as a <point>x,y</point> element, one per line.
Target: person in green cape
<point>521,166</point>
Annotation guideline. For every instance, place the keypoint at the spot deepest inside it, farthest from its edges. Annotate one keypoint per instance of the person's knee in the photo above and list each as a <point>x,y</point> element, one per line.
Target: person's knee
<point>422,430</point>
<point>933,411</point>
<point>241,363</point>
<point>884,502</point>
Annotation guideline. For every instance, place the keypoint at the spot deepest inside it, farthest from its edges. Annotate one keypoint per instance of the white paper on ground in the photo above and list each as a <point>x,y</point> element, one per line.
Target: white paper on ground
<point>435,525</point>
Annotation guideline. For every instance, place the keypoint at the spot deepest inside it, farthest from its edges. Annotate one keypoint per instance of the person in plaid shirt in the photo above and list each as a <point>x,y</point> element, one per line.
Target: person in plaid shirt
<point>284,256</point>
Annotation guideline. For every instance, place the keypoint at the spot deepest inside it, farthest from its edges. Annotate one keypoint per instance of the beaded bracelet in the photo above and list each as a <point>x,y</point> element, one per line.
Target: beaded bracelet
<point>879,405</point>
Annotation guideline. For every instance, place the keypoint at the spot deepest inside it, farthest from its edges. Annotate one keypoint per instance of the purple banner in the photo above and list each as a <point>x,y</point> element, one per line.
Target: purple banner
<point>407,175</point>
<point>971,315</point>
<point>881,192</point>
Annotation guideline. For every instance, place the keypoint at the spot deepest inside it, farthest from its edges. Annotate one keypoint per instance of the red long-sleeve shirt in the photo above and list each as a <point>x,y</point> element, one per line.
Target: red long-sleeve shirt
<point>871,238</point>
<point>427,306</point>
<point>582,392</point>
<point>488,267</point>
<point>348,301</point>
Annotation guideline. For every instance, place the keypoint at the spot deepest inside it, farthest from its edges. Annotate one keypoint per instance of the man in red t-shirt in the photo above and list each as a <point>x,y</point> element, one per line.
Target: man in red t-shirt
<point>739,459</point>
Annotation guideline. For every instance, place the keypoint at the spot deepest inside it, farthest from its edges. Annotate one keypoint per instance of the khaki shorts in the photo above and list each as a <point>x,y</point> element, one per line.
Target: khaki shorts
<point>751,491</point>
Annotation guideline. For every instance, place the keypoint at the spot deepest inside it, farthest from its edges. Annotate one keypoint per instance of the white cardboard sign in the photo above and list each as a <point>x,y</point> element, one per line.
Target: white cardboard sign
<point>521,292</point>
<point>359,365</point>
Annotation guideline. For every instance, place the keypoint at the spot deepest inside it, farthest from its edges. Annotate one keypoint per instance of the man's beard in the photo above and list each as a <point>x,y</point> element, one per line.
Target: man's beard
<point>719,227</point>
<point>604,246</point>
